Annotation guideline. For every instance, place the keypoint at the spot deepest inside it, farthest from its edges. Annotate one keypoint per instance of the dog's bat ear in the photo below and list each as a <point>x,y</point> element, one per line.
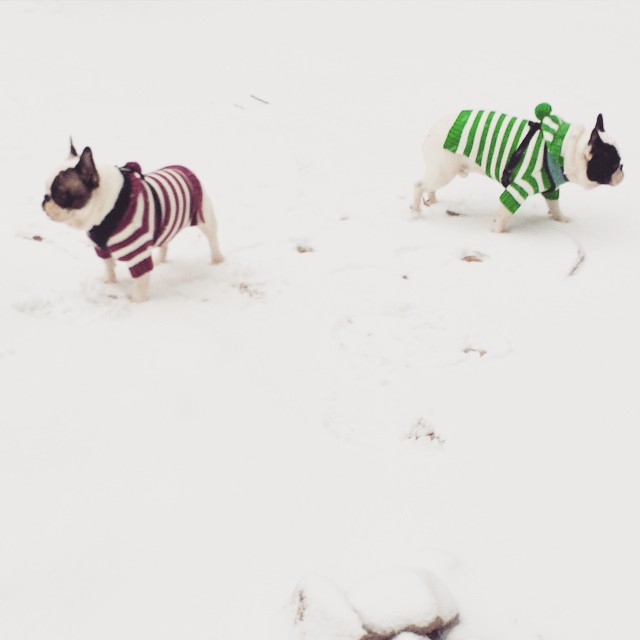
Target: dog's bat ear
<point>595,134</point>
<point>72,150</point>
<point>86,169</point>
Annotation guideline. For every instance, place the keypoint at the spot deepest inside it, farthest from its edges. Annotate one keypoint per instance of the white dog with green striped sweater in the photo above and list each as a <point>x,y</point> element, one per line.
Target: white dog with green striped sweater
<point>525,157</point>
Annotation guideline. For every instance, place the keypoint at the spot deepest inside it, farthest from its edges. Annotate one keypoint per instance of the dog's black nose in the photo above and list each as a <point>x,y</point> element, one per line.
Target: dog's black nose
<point>46,199</point>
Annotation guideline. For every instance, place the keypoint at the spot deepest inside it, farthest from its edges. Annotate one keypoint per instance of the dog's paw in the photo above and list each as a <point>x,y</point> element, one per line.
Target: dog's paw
<point>559,217</point>
<point>499,226</point>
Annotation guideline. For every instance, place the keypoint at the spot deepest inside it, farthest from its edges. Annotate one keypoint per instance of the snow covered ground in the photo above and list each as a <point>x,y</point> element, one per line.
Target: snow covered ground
<point>346,393</point>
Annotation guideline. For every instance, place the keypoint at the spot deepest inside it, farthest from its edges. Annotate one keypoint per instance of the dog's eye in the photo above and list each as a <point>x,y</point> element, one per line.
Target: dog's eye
<point>62,198</point>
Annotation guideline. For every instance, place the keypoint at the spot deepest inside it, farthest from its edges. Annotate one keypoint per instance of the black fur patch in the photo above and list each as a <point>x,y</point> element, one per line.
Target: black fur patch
<point>72,187</point>
<point>101,233</point>
<point>68,190</point>
<point>605,161</point>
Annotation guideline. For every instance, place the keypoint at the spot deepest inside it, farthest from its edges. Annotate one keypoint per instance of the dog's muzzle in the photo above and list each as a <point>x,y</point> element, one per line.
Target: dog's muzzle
<point>53,211</point>
<point>617,178</point>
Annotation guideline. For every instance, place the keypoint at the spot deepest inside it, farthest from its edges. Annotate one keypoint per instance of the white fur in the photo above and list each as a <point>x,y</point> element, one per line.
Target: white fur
<point>441,166</point>
<point>576,153</point>
<point>103,199</point>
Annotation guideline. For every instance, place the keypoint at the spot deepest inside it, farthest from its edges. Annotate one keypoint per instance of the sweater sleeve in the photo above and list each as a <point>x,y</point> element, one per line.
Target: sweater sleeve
<point>512,199</point>
<point>105,254</point>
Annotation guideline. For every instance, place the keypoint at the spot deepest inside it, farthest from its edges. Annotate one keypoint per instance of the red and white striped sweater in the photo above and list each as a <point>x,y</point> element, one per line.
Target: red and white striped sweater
<point>150,210</point>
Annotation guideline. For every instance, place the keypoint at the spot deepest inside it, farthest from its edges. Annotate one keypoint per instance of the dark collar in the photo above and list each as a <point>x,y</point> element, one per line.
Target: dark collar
<point>552,167</point>
<point>101,233</point>
<point>514,160</point>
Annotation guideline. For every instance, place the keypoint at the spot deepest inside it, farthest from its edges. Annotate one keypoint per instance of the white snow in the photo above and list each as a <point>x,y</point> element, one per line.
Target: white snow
<point>345,393</point>
<point>320,610</point>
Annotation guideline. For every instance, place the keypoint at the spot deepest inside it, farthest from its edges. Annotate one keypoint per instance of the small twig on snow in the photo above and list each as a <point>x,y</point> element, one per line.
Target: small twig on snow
<point>579,260</point>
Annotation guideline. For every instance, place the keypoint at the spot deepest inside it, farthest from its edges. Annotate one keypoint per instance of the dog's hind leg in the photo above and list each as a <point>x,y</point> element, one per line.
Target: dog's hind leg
<point>210,229</point>
<point>418,197</point>
<point>441,166</point>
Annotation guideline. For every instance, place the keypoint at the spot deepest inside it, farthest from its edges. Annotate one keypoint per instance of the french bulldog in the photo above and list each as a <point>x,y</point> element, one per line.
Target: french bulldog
<point>127,213</point>
<point>527,157</point>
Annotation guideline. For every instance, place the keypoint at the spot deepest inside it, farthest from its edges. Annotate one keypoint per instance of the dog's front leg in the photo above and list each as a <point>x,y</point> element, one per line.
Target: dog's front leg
<point>162,254</point>
<point>110,270</point>
<point>501,220</point>
<point>140,288</point>
<point>554,211</point>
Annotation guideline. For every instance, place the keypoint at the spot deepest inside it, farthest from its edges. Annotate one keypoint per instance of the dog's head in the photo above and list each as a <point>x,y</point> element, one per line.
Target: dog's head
<point>69,191</point>
<point>603,159</point>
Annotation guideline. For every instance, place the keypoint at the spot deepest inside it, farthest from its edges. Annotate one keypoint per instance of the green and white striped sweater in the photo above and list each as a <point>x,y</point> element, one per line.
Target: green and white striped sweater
<point>524,156</point>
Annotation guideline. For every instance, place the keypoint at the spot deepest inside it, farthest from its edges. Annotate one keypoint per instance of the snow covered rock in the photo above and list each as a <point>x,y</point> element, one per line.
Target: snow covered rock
<point>322,612</point>
<point>399,604</point>
<point>403,600</point>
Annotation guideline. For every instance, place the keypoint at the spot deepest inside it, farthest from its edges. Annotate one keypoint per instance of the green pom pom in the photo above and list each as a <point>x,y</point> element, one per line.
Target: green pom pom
<point>543,110</point>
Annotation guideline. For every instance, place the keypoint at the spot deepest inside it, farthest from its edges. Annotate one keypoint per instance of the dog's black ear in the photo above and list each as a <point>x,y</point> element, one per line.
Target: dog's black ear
<point>72,150</point>
<point>86,169</point>
<point>595,134</point>
<point>600,123</point>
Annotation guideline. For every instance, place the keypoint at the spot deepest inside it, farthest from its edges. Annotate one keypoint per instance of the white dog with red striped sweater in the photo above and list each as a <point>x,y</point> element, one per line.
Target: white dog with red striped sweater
<point>126,214</point>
